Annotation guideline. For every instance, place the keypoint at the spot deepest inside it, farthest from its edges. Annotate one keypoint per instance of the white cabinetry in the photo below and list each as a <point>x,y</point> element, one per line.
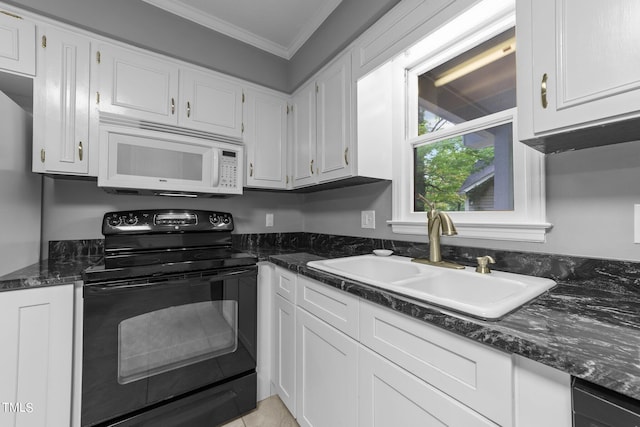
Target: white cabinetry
<point>138,85</point>
<point>327,374</point>
<point>61,109</point>
<point>36,361</point>
<point>147,87</point>
<point>322,130</point>
<point>360,364</point>
<point>284,334</point>
<point>17,44</point>
<point>562,84</point>
<point>478,376</point>
<point>265,137</point>
<point>391,396</point>
<point>210,103</point>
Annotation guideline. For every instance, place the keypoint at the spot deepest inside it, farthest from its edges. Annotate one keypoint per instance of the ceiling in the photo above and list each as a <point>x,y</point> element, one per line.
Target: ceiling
<point>279,27</point>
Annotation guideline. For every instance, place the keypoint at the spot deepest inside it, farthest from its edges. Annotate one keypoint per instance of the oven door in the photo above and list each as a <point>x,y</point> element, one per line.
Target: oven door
<point>147,341</point>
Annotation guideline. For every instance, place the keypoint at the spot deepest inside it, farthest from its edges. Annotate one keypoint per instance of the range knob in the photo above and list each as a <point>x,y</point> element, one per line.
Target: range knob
<point>214,219</point>
<point>114,221</point>
<point>132,220</point>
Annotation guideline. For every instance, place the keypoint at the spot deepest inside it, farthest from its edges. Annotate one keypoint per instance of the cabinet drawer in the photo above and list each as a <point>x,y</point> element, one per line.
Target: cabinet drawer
<point>467,371</point>
<point>285,284</point>
<point>391,396</point>
<point>337,308</point>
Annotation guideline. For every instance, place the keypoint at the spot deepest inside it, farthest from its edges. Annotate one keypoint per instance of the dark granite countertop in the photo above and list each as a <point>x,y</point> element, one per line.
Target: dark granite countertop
<point>48,273</point>
<point>587,326</point>
<point>585,331</point>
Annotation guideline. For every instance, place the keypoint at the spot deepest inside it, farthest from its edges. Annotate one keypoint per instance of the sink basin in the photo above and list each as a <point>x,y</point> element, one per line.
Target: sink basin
<point>486,296</point>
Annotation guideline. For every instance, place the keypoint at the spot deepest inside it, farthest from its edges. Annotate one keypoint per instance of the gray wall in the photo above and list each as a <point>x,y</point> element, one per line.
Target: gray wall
<point>138,23</point>
<point>590,198</point>
<point>73,209</point>
<point>19,190</point>
<point>343,26</point>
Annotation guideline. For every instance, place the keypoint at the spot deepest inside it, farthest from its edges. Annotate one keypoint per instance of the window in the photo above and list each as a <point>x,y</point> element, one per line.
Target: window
<point>455,132</point>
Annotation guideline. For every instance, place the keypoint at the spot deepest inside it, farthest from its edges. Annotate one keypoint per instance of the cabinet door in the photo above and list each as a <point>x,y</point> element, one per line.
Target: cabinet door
<point>327,374</point>
<point>587,60</point>
<point>284,369</point>
<point>137,85</point>
<point>36,360</point>
<point>391,396</point>
<point>265,138</point>
<point>210,103</point>
<point>61,111</point>
<point>17,44</point>
<point>304,136</point>
<point>334,120</point>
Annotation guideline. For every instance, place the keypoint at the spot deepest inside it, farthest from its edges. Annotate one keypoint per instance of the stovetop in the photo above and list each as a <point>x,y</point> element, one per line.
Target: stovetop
<point>153,243</point>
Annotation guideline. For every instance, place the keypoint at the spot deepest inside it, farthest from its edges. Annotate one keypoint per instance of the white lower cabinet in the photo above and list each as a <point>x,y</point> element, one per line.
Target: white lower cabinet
<point>354,363</point>
<point>284,358</point>
<point>327,374</point>
<point>36,356</point>
<point>391,397</point>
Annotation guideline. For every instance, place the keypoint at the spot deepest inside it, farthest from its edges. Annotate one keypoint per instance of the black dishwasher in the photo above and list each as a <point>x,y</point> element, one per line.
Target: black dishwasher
<point>595,406</point>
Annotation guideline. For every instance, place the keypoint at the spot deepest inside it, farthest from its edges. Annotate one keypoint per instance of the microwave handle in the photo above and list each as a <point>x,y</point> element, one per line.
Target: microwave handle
<point>215,170</point>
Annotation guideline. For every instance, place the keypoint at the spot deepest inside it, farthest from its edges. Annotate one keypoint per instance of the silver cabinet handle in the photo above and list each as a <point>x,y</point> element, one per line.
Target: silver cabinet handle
<point>188,109</point>
<point>250,169</point>
<point>173,106</point>
<point>311,167</point>
<point>346,154</point>
<point>543,91</point>
<point>80,151</point>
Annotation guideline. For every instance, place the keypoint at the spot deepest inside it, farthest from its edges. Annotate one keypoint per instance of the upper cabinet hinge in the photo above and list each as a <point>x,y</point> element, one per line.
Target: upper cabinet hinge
<point>98,57</point>
<point>97,97</point>
<point>243,97</point>
<point>44,41</point>
<point>242,128</point>
<point>317,89</point>
<point>287,108</point>
<point>13,15</point>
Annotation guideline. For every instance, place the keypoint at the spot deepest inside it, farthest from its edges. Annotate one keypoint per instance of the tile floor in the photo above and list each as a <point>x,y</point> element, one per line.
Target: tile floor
<point>270,412</point>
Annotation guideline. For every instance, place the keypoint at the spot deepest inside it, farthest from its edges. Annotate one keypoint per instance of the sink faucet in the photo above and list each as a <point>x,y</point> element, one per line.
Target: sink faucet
<point>437,222</point>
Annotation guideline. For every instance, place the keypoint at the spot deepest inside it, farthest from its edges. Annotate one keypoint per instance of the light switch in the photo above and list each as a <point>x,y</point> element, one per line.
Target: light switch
<point>269,220</point>
<point>368,219</point>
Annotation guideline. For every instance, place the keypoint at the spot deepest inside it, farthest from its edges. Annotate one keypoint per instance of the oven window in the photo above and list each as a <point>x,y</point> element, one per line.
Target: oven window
<point>173,337</point>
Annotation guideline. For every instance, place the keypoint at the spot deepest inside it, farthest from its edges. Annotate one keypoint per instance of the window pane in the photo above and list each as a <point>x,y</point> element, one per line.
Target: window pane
<point>470,172</point>
<point>479,82</point>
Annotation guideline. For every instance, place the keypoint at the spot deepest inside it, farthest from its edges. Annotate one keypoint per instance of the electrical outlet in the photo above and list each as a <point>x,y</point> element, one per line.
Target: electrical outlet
<point>368,219</point>
<point>269,220</point>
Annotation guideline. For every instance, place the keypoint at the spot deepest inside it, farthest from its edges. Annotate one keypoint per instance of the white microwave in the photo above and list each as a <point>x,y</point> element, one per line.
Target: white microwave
<point>141,161</point>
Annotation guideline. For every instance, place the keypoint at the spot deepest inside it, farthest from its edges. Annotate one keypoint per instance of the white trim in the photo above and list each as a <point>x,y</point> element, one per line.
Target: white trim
<point>527,221</point>
<point>214,23</point>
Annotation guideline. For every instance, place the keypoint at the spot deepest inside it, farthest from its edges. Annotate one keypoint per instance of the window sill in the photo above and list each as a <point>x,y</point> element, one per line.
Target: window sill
<point>520,232</point>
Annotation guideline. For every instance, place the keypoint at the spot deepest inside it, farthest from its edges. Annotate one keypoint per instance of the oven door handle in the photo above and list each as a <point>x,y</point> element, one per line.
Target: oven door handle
<point>105,288</point>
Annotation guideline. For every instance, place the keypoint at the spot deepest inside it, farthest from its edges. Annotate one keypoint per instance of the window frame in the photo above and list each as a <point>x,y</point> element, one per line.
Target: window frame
<point>527,221</point>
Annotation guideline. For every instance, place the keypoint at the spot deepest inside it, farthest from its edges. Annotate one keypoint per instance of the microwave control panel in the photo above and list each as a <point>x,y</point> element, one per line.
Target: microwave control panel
<point>229,169</point>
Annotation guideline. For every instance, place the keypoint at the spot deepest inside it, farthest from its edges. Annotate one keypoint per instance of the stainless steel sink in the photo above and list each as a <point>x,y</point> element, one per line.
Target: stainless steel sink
<point>487,296</point>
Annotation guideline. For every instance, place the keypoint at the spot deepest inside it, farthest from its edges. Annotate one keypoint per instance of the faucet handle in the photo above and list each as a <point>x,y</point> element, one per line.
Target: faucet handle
<point>483,264</point>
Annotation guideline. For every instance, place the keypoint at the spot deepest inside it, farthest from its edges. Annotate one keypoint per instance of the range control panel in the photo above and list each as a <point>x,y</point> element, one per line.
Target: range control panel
<point>165,221</point>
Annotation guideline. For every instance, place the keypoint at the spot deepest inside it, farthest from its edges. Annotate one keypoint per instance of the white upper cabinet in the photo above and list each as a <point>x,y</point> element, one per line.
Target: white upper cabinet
<point>137,85</point>
<point>322,126</point>
<point>61,105</point>
<point>577,69</point>
<point>210,103</point>
<point>265,137</point>
<point>334,120</point>
<point>17,44</point>
<point>304,136</point>
<point>155,89</point>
